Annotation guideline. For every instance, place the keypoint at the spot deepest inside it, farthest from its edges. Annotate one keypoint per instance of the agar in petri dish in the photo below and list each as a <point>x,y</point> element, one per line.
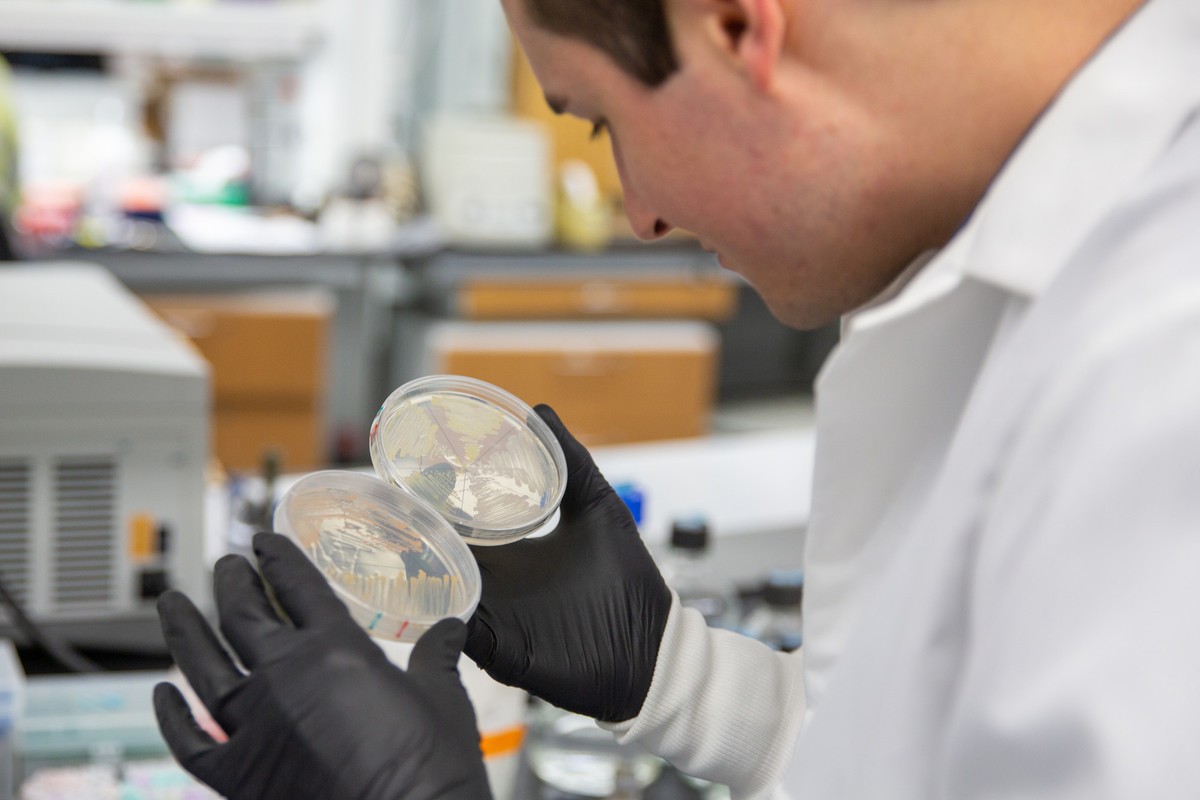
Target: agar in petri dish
<point>477,454</point>
<point>396,564</point>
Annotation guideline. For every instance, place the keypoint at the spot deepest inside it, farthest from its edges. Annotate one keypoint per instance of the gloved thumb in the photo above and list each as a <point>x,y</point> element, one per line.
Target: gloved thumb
<point>581,469</point>
<point>436,652</point>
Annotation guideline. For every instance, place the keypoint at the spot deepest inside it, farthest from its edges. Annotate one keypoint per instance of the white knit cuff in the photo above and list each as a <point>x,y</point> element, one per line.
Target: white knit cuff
<point>721,706</point>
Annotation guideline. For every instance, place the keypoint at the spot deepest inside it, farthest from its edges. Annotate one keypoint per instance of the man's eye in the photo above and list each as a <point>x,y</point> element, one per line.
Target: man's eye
<point>598,128</point>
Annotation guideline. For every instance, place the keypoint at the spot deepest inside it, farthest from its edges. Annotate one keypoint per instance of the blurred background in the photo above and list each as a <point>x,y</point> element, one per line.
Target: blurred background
<point>230,229</point>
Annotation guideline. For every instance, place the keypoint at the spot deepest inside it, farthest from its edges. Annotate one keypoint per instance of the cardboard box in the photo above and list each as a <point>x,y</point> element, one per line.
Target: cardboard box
<point>611,383</point>
<point>268,354</point>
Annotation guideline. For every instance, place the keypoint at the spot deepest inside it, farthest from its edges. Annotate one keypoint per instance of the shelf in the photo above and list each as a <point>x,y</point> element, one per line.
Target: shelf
<point>278,31</point>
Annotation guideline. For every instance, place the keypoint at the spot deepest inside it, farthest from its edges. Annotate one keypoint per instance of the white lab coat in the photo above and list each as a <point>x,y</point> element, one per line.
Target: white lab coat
<point>1005,536</point>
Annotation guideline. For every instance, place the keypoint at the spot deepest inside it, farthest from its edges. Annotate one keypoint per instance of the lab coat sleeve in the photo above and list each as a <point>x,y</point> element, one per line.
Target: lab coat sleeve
<point>721,706</point>
<point>1082,681</point>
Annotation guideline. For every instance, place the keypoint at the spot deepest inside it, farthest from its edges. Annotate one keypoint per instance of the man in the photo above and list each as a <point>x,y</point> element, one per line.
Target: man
<point>1002,197</point>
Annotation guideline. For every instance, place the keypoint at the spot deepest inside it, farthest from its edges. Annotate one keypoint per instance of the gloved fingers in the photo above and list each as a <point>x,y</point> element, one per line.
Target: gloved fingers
<point>299,587</point>
<point>198,652</point>
<point>438,649</point>
<point>248,620</point>
<point>480,646</point>
<point>433,666</point>
<point>187,741</point>
<point>581,469</point>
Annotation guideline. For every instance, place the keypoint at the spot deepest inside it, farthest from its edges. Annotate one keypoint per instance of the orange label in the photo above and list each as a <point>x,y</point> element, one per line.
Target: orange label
<point>142,544</point>
<point>502,743</point>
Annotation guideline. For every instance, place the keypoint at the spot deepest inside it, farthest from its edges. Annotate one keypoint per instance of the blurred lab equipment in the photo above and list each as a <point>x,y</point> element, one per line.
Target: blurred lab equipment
<point>778,621</point>
<point>584,219</point>
<point>103,446</point>
<point>487,180</point>
<point>259,513</point>
<point>360,217</point>
<point>95,737</point>
<point>251,505</point>
<point>218,176</point>
<point>12,702</point>
<point>634,498</point>
<point>162,779</point>
<point>84,737</point>
<point>572,754</point>
<point>9,191</point>
<point>80,719</point>
<point>688,569</point>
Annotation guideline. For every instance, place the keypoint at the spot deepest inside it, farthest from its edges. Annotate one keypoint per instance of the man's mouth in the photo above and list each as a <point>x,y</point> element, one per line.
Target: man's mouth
<point>720,258</point>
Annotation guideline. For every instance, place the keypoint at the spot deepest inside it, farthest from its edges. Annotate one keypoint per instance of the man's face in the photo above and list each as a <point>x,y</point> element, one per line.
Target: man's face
<point>787,185</point>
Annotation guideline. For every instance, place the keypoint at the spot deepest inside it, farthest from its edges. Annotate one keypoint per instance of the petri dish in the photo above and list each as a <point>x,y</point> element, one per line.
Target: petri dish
<point>476,453</point>
<point>394,561</point>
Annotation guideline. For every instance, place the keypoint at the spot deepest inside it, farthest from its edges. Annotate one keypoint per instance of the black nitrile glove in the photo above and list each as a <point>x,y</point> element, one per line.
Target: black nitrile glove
<point>322,713</point>
<point>575,617</point>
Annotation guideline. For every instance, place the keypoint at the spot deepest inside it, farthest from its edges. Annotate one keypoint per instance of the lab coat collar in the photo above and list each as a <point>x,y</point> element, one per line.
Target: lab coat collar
<point>1111,121</point>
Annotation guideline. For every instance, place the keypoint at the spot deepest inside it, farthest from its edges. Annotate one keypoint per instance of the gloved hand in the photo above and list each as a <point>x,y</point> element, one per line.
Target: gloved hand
<point>322,713</point>
<point>575,617</point>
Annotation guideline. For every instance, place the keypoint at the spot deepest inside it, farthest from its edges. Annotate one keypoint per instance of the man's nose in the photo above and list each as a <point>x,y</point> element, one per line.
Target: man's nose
<point>646,225</point>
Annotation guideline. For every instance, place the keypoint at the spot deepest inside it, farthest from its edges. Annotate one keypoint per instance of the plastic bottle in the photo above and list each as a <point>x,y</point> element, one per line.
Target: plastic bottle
<point>778,621</point>
<point>634,498</point>
<point>687,568</point>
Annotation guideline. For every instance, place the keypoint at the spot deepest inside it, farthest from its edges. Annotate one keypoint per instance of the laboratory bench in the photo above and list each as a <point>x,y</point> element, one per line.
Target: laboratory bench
<point>635,343</point>
<point>663,325</point>
<point>626,280</point>
<point>671,280</point>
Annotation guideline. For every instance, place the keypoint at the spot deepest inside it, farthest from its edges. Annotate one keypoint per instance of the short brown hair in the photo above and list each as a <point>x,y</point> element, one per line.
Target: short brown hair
<point>634,33</point>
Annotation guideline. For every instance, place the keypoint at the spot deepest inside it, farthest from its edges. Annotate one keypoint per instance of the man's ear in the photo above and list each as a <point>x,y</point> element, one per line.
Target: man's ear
<point>753,32</point>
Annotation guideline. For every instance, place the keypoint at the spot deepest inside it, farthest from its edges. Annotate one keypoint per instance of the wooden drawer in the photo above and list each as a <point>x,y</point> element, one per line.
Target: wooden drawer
<point>709,299</point>
<point>611,384</point>
<point>259,346</point>
<point>268,357</point>
<point>242,435</point>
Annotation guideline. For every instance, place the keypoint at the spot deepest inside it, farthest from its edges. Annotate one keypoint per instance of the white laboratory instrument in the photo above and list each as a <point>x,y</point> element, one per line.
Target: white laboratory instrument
<point>103,447</point>
<point>488,180</point>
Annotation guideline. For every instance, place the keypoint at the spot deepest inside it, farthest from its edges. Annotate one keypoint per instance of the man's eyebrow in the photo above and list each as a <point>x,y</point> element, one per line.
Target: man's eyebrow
<point>557,104</point>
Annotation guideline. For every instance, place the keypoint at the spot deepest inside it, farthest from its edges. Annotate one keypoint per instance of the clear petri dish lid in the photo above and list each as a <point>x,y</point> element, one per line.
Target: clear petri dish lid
<point>394,561</point>
<point>476,453</point>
